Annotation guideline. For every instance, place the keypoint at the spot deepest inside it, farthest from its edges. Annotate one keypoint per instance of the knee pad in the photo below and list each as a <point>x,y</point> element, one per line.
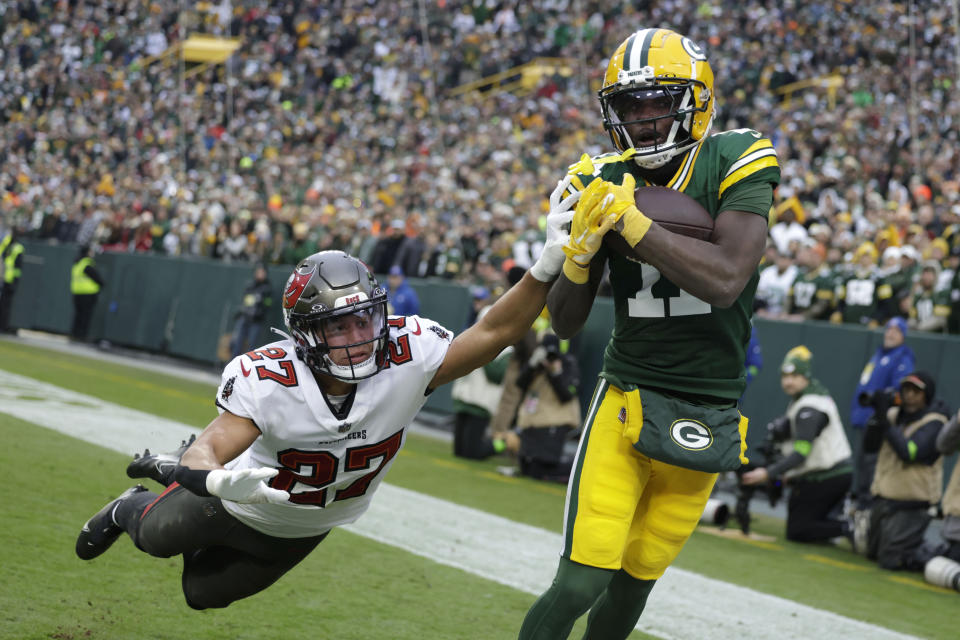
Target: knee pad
<point>942,572</point>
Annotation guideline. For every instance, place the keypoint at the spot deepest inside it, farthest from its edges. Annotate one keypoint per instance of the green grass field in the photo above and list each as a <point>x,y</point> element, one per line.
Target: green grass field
<point>351,587</point>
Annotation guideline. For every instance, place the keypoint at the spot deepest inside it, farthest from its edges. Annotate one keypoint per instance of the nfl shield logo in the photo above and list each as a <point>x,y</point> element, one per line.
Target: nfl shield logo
<point>622,416</point>
<point>343,428</point>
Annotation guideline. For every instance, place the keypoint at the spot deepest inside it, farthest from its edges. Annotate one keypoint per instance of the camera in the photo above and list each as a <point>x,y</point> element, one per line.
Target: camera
<point>882,397</point>
<point>778,430</point>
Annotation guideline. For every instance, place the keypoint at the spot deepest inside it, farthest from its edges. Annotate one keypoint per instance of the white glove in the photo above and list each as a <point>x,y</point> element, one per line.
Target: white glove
<point>550,262</point>
<point>245,485</point>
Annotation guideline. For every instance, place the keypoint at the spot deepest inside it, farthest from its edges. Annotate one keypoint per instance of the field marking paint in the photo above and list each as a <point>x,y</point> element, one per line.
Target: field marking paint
<point>684,604</point>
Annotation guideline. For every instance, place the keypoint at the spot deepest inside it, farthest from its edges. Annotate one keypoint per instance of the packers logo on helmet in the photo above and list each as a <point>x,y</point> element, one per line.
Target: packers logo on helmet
<point>657,96</point>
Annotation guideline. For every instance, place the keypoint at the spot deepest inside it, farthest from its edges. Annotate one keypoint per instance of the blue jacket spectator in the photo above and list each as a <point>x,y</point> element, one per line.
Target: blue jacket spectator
<point>754,359</point>
<point>891,362</point>
<point>401,296</point>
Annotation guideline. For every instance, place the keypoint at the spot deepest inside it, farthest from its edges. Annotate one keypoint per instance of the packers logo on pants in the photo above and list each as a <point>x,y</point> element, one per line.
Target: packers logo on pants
<point>625,509</point>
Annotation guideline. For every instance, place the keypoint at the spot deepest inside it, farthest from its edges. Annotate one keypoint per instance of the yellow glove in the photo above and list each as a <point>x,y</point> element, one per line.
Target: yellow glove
<point>590,223</point>
<point>631,222</point>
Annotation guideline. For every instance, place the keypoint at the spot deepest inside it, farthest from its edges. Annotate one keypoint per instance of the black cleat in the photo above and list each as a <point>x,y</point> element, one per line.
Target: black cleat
<point>100,531</point>
<point>158,466</point>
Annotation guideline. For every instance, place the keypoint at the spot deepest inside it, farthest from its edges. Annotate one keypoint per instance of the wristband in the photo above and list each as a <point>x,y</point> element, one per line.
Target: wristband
<point>575,272</point>
<point>193,480</point>
<point>635,225</point>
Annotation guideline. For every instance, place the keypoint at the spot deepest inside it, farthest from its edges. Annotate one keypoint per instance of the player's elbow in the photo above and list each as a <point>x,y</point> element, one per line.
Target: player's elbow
<point>723,297</point>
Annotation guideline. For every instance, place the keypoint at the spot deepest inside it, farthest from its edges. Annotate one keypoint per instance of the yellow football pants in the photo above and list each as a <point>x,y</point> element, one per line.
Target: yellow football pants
<point>624,509</point>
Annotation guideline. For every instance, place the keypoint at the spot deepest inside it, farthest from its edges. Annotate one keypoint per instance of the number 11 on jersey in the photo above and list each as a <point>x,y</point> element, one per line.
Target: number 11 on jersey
<point>660,298</point>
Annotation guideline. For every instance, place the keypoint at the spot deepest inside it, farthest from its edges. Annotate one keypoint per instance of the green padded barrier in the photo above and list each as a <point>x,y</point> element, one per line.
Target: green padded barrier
<point>43,299</point>
<point>182,306</point>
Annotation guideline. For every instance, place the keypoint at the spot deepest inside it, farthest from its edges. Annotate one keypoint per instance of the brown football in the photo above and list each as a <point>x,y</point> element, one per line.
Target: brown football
<point>672,210</point>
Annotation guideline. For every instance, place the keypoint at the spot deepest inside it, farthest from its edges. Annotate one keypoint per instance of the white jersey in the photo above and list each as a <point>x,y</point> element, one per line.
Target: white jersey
<point>330,461</point>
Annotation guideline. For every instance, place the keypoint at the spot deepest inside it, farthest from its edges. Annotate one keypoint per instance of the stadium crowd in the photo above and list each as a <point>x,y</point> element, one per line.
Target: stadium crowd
<point>334,125</point>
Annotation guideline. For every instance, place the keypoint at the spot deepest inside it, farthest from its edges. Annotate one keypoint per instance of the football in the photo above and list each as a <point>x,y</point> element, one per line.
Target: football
<point>674,211</point>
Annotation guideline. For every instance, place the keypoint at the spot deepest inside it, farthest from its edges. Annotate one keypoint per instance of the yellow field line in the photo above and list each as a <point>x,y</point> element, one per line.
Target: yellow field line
<point>913,582</point>
<point>840,564</point>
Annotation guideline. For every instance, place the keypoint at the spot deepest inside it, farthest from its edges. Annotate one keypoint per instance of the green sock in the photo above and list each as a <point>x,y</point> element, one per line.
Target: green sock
<point>619,607</point>
<point>574,590</point>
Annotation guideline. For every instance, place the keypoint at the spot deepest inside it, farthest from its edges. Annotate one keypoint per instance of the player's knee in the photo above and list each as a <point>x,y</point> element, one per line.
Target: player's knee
<point>200,598</point>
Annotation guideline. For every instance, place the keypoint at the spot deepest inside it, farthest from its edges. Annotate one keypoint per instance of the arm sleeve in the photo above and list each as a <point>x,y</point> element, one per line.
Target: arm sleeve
<point>807,426</point>
<point>93,274</point>
<point>795,459</point>
<point>565,384</point>
<point>919,448</point>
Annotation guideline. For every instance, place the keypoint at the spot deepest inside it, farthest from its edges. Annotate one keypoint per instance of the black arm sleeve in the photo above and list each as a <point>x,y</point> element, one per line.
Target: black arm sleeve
<point>566,382</point>
<point>809,423</point>
<point>795,459</point>
<point>193,480</point>
<point>525,377</point>
<point>919,448</point>
<point>807,426</point>
<point>93,274</point>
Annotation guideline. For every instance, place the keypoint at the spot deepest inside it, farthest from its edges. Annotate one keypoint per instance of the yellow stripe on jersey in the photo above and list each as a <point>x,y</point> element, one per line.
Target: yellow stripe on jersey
<point>941,310</point>
<point>576,184</point>
<point>762,162</point>
<point>689,169</point>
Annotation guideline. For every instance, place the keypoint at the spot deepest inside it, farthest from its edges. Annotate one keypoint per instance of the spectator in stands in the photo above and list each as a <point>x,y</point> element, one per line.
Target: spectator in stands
<point>858,299</point>
<point>774,285</point>
<point>909,474</point>
<point>816,454</point>
<point>892,360</point>
<point>930,309</point>
<point>401,297</point>
<point>811,295</point>
<point>85,285</point>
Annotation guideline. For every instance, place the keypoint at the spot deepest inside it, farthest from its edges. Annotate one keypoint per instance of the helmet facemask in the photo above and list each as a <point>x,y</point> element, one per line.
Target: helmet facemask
<point>667,133</point>
<point>318,335</point>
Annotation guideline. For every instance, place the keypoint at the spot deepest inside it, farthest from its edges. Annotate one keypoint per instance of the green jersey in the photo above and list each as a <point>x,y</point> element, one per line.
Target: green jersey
<point>860,297</point>
<point>664,337</point>
<point>812,287</point>
<point>928,305</point>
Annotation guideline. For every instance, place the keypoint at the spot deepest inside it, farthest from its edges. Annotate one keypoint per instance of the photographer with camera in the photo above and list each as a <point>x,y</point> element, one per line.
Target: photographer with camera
<point>889,364</point>
<point>943,570</point>
<point>549,410</point>
<point>909,475</point>
<point>816,454</point>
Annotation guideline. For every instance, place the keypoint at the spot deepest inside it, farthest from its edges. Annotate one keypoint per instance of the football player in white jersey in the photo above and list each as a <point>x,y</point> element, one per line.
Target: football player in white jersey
<point>310,424</point>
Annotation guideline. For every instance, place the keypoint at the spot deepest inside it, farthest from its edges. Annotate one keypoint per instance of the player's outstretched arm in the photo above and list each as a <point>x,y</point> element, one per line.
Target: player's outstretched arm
<point>201,467</point>
<point>227,436</point>
<point>504,324</point>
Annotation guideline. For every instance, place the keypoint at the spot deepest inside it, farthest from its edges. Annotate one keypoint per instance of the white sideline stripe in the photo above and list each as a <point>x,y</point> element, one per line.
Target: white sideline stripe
<point>684,604</point>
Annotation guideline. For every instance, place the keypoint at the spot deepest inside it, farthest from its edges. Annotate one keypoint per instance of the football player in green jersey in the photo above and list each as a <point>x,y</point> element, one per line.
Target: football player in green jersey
<point>664,419</point>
